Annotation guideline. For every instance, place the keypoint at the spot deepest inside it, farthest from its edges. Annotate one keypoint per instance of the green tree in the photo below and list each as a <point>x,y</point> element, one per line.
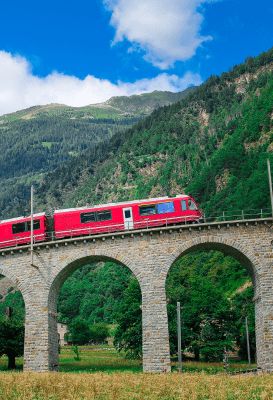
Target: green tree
<point>99,332</point>
<point>79,332</point>
<point>128,335</point>
<point>11,339</point>
<point>200,281</point>
<point>94,292</point>
<point>242,304</point>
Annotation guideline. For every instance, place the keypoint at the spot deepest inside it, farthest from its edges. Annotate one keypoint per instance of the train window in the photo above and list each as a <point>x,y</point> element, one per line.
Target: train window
<point>149,209</point>
<point>192,205</point>
<point>127,213</point>
<point>184,205</point>
<point>163,208</point>
<point>25,226</point>
<point>88,217</point>
<point>105,215</point>
<point>19,228</point>
<point>36,225</point>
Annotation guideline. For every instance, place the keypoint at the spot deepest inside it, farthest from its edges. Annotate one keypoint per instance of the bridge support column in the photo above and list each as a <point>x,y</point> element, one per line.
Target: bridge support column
<point>264,330</point>
<point>156,350</point>
<point>39,322</point>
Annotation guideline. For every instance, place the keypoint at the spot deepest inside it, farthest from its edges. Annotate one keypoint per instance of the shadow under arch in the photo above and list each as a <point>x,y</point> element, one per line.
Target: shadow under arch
<point>56,285</point>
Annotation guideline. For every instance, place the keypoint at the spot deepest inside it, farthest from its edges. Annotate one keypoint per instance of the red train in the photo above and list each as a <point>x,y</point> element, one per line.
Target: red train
<point>106,218</point>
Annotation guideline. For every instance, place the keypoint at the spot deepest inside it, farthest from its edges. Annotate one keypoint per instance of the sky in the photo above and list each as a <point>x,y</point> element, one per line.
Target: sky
<point>84,52</point>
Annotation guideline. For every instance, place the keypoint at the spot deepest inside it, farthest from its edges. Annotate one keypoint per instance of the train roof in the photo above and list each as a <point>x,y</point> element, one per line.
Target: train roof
<point>21,218</point>
<point>120,203</point>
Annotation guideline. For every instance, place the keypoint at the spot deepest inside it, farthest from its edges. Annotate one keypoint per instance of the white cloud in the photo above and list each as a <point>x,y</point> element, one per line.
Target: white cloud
<point>167,30</point>
<point>19,88</point>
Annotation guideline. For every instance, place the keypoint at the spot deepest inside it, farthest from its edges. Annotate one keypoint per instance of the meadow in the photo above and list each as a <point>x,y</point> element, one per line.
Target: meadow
<point>103,374</point>
<point>101,358</point>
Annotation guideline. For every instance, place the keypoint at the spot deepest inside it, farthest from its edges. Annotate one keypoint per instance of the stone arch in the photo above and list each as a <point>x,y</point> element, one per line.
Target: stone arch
<point>61,274</point>
<point>247,259</point>
<point>77,261</point>
<point>229,247</point>
<point>15,281</point>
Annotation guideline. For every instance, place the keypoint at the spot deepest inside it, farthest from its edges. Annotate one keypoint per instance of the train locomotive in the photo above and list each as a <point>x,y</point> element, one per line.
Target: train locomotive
<point>105,218</point>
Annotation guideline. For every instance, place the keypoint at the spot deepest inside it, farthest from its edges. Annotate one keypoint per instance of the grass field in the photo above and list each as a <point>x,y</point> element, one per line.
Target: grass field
<point>97,359</point>
<point>103,374</point>
<point>130,386</point>
<point>107,359</point>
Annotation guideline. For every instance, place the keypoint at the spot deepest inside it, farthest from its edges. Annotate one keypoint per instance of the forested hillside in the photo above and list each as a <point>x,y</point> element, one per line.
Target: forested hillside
<point>38,140</point>
<point>212,144</point>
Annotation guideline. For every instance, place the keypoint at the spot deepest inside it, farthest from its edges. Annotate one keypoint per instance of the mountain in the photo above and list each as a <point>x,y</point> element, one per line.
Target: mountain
<point>145,103</point>
<point>116,107</point>
<point>213,144</point>
<point>37,140</point>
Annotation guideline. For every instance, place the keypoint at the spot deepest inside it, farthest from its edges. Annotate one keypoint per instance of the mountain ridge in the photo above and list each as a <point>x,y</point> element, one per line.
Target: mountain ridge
<point>151,101</point>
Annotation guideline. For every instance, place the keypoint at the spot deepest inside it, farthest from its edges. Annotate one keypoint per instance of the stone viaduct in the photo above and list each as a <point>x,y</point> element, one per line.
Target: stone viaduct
<point>149,254</point>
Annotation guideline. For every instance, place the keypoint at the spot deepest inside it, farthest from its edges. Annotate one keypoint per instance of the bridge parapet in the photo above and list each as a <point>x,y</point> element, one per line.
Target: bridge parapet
<point>268,221</point>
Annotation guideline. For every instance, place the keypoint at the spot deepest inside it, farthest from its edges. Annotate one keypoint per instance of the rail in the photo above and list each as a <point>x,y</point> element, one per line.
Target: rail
<point>238,215</point>
<point>225,216</point>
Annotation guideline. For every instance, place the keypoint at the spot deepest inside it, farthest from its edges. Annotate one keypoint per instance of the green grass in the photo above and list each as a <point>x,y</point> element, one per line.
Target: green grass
<point>4,364</point>
<point>106,359</point>
<point>213,367</point>
<point>97,359</point>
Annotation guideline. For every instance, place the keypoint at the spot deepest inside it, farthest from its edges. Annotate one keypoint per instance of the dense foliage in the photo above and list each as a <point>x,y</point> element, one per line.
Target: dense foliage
<point>128,335</point>
<point>93,293</point>
<point>12,327</point>
<point>11,339</point>
<point>211,290</point>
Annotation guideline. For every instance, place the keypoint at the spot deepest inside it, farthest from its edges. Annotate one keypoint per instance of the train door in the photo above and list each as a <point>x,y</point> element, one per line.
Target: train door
<point>128,218</point>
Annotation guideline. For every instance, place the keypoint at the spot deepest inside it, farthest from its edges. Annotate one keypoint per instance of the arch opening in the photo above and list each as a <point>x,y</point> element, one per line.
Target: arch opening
<point>215,284</point>
<point>12,325</point>
<point>88,302</point>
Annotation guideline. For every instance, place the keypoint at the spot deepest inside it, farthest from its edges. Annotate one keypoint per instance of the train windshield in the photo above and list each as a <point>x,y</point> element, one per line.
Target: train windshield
<point>192,205</point>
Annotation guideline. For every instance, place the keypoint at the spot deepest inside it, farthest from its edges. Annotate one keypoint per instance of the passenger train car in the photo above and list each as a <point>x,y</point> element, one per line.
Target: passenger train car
<point>106,218</point>
<point>16,231</point>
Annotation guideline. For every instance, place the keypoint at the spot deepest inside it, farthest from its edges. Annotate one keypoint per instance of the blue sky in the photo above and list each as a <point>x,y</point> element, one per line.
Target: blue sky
<point>82,52</point>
